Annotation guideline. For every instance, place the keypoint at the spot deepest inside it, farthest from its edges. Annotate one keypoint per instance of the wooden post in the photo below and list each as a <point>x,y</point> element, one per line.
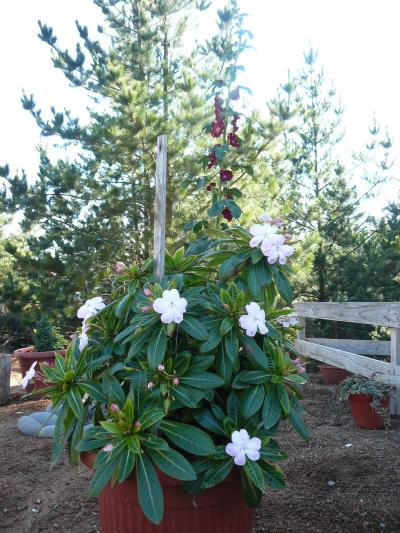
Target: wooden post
<point>160,207</point>
<point>5,372</point>
<point>301,333</point>
<point>395,360</point>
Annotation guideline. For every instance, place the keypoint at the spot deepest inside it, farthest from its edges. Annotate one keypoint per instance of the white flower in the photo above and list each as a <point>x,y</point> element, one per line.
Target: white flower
<point>287,321</point>
<point>83,338</point>
<point>255,319</point>
<point>241,446</point>
<point>275,249</point>
<point>261,232</point>
<point>91,307</point>
<point>265,217</point>
<point>29,375</point>
<point>171,307</point>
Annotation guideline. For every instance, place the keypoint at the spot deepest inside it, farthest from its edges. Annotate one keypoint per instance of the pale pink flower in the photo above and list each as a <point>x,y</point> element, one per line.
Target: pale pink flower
<point>175,381</point>
<point>150,385</point>
<point>119,267</point>
<point>171,307</point>
<point>161,368</point>
<point>243,446</point>
<point>261,232</point>
<point>114,408</point>
<point>108,448</point>
<point>275,249</point>
<point>255,319</point>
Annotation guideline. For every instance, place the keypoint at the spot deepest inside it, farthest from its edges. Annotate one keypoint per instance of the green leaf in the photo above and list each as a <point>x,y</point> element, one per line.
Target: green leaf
<point>112,389</point>
<point>252,400</point>
<point>271,409</point>
<point>254,352</point>
<point>182,363</point>
<point>125,464</point>
<point>283,286</point>
<point>112,427</point>
<point>94,390</point>
<point>101,477</point>
<point>62,431</point>
<point>254,377</point>
<point>150,494</point>
<point>226,325</point>
<point>217,473</point>
<point>133,443</point>
<point>157,347</point>
<point>124,333</point>
<point>298,424</point>
<point>254,473</point>
<point>188,396</point>
<point>213,341</point>
<point>138,388</point>
<point>233,408</point>
<point>87,445</point>
<point>206,419</point>
<point>283,398</point>
<point>194,328</point>
<point>151,417</point>
<point>173,464</point>
<point>273,476</point>
<point>75,402</point>
<point>154,443</point>
<point>138,344</point>
<point>187,437</point>
<point>200,379</point>
<point>252,494</point>
<point>231,343</point>
<point>224,367</point>
<point>258,275</point>
<point>75,438</point>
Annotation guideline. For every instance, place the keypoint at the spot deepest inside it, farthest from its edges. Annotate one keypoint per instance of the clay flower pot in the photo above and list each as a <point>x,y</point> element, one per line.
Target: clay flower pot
<point>221,509</point>
<point>364,415</point>
<point>27,356</point>
<point>332,375</point>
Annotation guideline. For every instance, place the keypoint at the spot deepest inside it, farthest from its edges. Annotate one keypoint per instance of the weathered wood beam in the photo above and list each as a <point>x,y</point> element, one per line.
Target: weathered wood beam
<point>358,364</point>
<point>361,347</point>
<point>375,313</point>
<point>5,372</point>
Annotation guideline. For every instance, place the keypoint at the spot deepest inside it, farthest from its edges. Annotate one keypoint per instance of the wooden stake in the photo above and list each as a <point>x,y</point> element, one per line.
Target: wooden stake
<point>5,371</point>
<point>160,207</point>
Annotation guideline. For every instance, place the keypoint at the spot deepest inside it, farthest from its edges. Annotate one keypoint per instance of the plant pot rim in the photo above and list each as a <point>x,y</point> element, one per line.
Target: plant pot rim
<point>362,396</point>
<point>29,353</point>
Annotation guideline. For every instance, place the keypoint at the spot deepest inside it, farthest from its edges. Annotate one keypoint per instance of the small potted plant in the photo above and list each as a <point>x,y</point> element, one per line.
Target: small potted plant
<point>368,400</point>
<point>332,375</point>
<point>47,340</point>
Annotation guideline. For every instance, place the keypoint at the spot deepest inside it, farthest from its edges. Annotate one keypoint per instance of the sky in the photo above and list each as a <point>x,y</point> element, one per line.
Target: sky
<point>358,42</point>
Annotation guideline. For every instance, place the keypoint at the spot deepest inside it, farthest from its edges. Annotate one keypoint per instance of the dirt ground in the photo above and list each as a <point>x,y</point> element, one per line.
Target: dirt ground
<point>331,487</point>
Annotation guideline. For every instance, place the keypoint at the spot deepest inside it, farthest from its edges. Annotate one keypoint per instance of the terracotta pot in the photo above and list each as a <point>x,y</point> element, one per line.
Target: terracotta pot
<point>332,375</point>
<point>221,509</point>
<point>26,356</point>
<point>364,415</point>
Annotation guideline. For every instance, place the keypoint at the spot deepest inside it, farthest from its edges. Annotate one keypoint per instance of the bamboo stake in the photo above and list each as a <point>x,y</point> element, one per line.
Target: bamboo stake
<point>160,207</point>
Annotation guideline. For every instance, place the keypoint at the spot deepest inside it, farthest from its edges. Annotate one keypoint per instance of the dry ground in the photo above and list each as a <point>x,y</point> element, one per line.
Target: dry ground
<point>365,495</point>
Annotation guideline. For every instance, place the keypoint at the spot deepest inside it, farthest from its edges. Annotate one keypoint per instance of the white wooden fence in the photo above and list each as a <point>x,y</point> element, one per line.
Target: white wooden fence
<point>350,354</point>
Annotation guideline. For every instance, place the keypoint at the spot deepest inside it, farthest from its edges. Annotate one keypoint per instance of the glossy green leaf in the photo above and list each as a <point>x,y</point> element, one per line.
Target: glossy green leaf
<point>173,464</point>
<point>194,328</point>
<point>252,400</point>
<point>187,437</point>
<point>150,494</point>
<point>271,412</point>
<point>254,474</point>
<point>201,379</point>
<point>157,347</point>
<point>217,473</point>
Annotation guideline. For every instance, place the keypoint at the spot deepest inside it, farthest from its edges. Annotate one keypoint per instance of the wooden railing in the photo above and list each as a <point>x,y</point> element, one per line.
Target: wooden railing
<point>350,354</point>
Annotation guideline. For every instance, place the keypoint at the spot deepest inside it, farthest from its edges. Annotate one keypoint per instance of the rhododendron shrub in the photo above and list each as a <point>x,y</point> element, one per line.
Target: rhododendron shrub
<point>191,375</point>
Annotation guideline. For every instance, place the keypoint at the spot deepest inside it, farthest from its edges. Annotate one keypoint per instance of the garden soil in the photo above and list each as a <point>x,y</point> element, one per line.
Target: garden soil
<point>343,480</point>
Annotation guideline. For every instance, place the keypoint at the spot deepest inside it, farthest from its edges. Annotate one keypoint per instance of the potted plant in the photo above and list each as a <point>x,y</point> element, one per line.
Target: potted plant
<point>189,379</point>
<point>47,340</point>
<point>332,375</point>
<point>368,400</point>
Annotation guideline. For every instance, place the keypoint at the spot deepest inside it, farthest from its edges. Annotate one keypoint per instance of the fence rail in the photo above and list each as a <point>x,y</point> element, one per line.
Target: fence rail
<point>350,353</point>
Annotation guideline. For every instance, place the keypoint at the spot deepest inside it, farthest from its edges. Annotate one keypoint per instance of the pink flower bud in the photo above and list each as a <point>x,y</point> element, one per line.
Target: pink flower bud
<point>114,408</point>
<point>146,309</point>
<point>161,368</point>
<point>301,370</point>
<point>72,336</point>
<point>175,381</point>
<point>147,292</point>
<point>276,221</point>
<point>150,385</point>
<point>138,425</point>
<point>288,236</point>
<point>298,361</point>
<point>108,448</point>
<point>119,267</point>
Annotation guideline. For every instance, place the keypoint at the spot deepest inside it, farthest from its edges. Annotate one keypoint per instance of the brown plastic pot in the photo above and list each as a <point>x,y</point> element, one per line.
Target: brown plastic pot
<point>332,375</point>
<point>364,415</point>
<point>221,509</point>
<point>27,356</point>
